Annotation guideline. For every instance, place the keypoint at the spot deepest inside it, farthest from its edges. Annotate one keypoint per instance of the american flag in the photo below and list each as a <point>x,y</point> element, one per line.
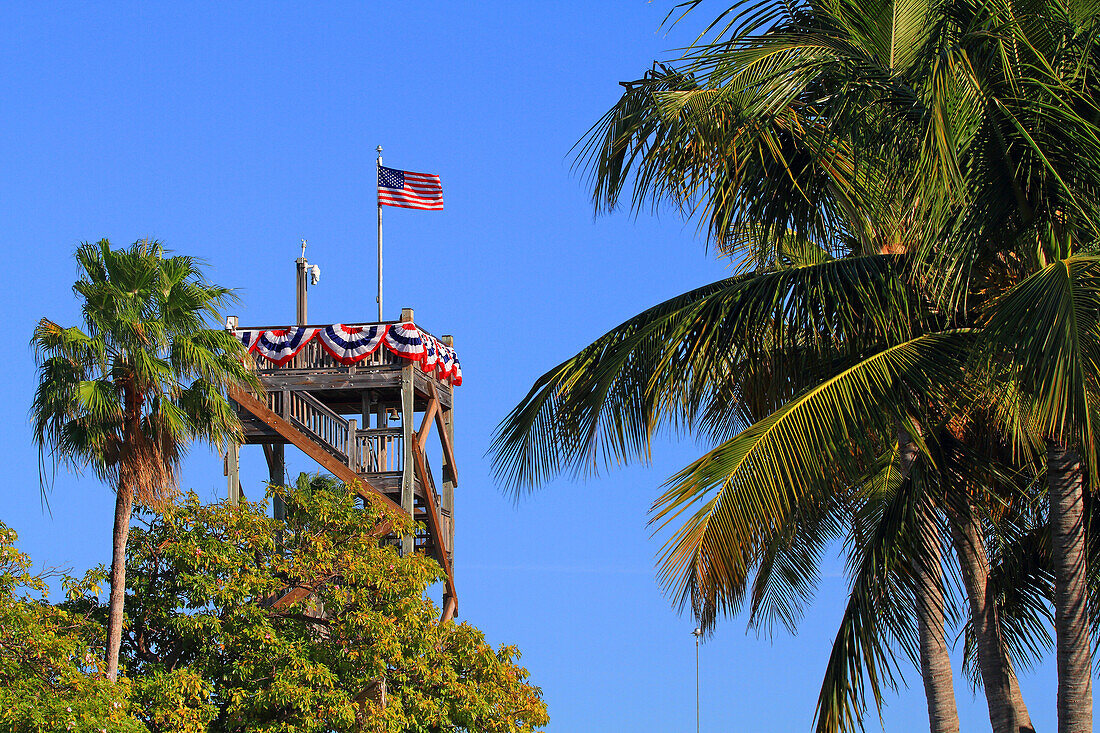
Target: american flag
<point>409,190</point>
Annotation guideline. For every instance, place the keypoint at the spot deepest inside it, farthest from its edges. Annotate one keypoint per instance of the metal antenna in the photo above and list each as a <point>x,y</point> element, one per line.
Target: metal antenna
<point>303,249</point>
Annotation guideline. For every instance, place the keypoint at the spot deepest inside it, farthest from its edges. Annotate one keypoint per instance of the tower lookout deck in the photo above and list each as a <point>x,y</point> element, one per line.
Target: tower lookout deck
<point>363,402</point>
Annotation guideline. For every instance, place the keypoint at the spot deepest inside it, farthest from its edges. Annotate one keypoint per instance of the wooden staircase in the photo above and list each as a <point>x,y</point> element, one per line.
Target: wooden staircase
<point>356,456</point>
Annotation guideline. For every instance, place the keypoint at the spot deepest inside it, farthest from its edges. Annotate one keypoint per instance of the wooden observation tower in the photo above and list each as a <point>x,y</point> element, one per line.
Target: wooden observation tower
<point>362,401</point>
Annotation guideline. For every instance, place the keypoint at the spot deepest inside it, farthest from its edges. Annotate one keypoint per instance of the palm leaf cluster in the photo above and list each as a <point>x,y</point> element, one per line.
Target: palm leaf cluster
<point>908,189</point>
<point>145,376</point>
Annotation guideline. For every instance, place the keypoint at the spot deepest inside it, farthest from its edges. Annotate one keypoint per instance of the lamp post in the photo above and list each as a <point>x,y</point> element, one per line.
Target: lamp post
<point>697,633</point>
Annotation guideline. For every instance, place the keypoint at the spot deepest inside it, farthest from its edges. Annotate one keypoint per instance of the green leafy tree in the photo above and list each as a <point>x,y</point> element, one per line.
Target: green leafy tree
<point>242,623</point>
<point>126,394</point>
<point>52,677</point>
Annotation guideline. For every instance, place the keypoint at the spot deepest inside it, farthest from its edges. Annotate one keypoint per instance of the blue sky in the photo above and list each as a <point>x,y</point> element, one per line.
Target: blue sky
<point>232,130</point>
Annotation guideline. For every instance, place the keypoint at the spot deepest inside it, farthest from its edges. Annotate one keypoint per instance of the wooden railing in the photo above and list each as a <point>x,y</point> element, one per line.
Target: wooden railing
<point>371,450</point>
<point>314,418</point>
<point>378,450</point>
<point>319,421</point>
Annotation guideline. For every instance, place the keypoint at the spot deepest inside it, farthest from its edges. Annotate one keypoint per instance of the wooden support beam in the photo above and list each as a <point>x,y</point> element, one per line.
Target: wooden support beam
<point>275,453</point>
<point>449,476</point>
<point>408,542</point>
<point>434,523</point>
<point>450,605</point>
<point>426,424</point>
<point>351,450</point>
<point>298,593</point>
<point>233,472</point>
<point>327,461</point>
<point>446,439</point>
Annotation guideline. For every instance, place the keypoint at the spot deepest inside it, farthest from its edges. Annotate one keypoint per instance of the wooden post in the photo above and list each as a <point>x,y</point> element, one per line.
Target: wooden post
<point>276,474</point>
<point>449,473</point>
<point>408,472</point>
<point>364,398</point>
<point>233,472</point>
<point>350,450</point>
<point>382,421</point>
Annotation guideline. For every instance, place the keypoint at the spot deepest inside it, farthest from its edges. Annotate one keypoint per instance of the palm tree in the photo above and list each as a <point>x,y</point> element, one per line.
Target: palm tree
<point>1049,325</point>
<point>1022,173</point>
<point>1007,176</point>
<point>750,147</point>
<point>127,394</point>
<point>759,172</point>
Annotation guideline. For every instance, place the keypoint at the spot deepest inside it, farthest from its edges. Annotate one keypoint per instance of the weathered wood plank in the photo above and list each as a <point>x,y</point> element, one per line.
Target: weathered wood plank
<point>424,384</point>
<point>446,430</point>
<point>439,539</point>
<point>292,596</point>
<point>426,424</point>
<point>381,378</point>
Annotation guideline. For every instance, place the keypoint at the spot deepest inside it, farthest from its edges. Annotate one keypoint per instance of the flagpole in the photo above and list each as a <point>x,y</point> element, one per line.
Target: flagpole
<point>377,173</point>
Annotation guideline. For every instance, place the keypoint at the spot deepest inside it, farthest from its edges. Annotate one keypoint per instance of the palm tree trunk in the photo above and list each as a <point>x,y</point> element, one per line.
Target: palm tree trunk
<point>124,503</point>
<point>935,663</point>
<point>1007,712</point>
<point>1018,703</point>
<point>1065,485</point>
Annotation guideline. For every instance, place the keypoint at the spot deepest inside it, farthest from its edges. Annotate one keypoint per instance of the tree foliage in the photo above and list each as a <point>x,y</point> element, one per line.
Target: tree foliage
<point>52,676</point>
<point>209,647</point>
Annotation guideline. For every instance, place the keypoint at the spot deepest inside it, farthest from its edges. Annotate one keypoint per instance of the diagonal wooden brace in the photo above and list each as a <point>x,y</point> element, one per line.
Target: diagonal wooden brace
<point>434,524</point>
<point>426,424</point>
<point>444,437</point>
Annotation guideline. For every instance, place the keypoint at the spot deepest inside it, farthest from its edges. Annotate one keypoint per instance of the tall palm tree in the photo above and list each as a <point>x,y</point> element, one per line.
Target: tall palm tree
<point>756,148</point>
<point>1021,171</point>
<point>1007,175</point>
<point>146,375</point>
<point>762,169</point>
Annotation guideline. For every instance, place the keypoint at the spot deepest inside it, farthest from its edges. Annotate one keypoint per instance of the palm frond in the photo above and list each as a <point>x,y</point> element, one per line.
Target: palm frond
<point>601,406</point>
<point>1048,327</point>
<point>738,495</point>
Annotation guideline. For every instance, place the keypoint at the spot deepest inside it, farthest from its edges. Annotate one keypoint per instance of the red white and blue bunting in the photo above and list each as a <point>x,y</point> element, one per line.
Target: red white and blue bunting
<point>351,344</point>
<point>404,339</point>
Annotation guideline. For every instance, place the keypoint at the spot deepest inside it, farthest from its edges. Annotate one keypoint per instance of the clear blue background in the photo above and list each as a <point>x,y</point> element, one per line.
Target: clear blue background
<point>232,130</point>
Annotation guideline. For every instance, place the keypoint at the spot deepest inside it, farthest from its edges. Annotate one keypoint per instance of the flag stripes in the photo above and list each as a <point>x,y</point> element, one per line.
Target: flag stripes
<point>409,190</point>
